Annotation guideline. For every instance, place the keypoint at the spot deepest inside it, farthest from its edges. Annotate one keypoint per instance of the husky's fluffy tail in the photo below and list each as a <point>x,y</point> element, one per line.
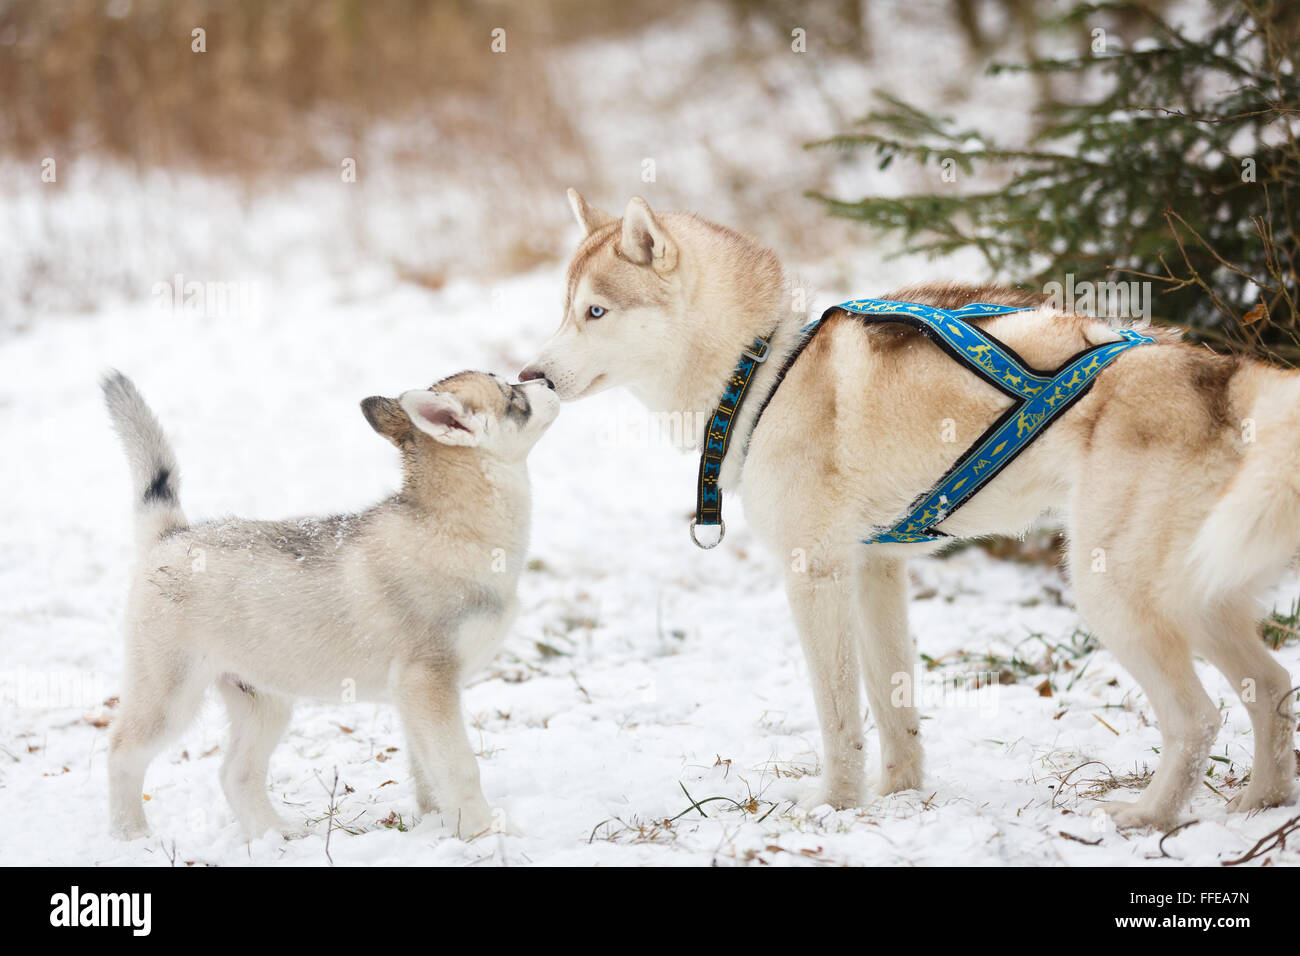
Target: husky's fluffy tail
<point>1253,530</point>
<point>155,477</point>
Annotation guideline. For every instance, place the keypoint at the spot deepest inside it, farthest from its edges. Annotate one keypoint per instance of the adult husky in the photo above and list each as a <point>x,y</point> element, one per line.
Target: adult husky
<point>1178,470</point>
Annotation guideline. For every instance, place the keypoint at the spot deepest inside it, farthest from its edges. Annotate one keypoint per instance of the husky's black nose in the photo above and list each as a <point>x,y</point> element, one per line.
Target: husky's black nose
<point>530,374</point>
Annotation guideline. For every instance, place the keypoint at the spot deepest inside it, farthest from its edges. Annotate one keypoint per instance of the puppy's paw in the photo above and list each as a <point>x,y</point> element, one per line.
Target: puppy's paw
<point>837,797</point>
<point>473,821</point>
<point>292,831</point>
<point>129,831</point>
<point>258,824</point>
<point>894,779</point>
<point>1133,815</point>
<point>501,826</point>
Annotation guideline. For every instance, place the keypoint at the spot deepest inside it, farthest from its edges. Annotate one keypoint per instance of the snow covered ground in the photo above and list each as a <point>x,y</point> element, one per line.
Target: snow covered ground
<point>641,670</point>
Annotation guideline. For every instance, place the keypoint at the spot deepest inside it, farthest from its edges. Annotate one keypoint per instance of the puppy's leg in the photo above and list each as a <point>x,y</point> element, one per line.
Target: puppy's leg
<point>428,698</point>
<point>885,651</point>
<point>162,697</point>
<point>824,604</point>
<point>423,790</point>
<point>1230,643</point>
<point>257,721</point>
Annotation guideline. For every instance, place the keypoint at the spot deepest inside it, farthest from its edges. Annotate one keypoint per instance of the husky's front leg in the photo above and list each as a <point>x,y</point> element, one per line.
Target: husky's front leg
<point>428,698</point>
<point>823,604</point>
<point>888,665</point>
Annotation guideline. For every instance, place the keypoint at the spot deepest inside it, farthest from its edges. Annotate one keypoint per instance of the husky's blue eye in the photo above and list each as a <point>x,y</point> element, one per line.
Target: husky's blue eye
<point>595,312</point>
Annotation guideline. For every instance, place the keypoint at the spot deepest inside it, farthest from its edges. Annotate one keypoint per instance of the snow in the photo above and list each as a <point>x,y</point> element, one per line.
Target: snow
<point>643,675</point>
<point>640,670</point>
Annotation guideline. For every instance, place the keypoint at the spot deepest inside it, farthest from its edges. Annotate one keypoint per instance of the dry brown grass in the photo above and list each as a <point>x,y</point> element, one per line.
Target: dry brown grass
<point>280,85</point>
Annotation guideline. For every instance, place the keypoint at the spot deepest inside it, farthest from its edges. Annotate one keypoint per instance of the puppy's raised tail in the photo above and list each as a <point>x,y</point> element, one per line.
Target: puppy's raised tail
<point>155,477</point>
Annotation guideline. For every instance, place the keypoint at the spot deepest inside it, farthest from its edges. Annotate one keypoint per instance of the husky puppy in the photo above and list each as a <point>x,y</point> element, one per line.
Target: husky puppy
<point>1179,473</point>
<point>405,600</point>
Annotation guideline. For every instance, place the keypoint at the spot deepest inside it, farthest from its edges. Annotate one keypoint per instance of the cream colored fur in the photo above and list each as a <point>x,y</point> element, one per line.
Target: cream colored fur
<point>1176,521</point>
<point>404,601</point>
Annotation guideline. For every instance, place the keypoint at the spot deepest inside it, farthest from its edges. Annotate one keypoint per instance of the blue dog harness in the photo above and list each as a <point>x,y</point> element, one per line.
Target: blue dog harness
<point>1038,399</point>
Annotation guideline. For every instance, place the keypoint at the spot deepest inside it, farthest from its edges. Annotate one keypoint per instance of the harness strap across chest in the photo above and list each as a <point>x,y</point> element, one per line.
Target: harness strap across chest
<point>1038,399</point>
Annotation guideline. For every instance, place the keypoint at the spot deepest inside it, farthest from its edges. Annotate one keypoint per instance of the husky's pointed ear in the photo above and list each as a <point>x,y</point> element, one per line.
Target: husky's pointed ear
<point>644,240</point>
<point>387,418</point>
<point>442,415</point>
<point>589,217</point>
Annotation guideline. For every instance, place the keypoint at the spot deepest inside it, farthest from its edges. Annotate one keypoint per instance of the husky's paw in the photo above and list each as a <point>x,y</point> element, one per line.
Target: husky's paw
<point>837,797</point>
<point>1133,815</point>
<point>1261,797</point>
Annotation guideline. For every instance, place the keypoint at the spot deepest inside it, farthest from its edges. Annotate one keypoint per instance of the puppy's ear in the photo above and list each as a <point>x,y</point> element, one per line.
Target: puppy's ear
<point>442,415</point>
<point>644,240</point>
<point>387,418</point>
<point>589,217</point>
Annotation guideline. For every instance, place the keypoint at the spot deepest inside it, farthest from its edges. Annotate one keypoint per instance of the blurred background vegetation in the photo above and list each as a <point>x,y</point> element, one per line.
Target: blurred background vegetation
<point>463,149</point>
<point>280,84</point>
<point>1174,163</point>
<point>285,83</point>
<point>1071,160</point>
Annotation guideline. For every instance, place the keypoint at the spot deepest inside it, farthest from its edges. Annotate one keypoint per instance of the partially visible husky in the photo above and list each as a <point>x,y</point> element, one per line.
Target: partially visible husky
<point>407,599</point>
<point>1179,471</point>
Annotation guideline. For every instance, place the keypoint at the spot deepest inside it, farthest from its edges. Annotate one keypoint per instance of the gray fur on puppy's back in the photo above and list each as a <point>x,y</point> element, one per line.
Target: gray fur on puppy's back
<point>308,538</point>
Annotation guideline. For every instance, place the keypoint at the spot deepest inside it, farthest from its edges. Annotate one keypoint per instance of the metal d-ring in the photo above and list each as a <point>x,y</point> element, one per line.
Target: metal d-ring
<point>722,533</point>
